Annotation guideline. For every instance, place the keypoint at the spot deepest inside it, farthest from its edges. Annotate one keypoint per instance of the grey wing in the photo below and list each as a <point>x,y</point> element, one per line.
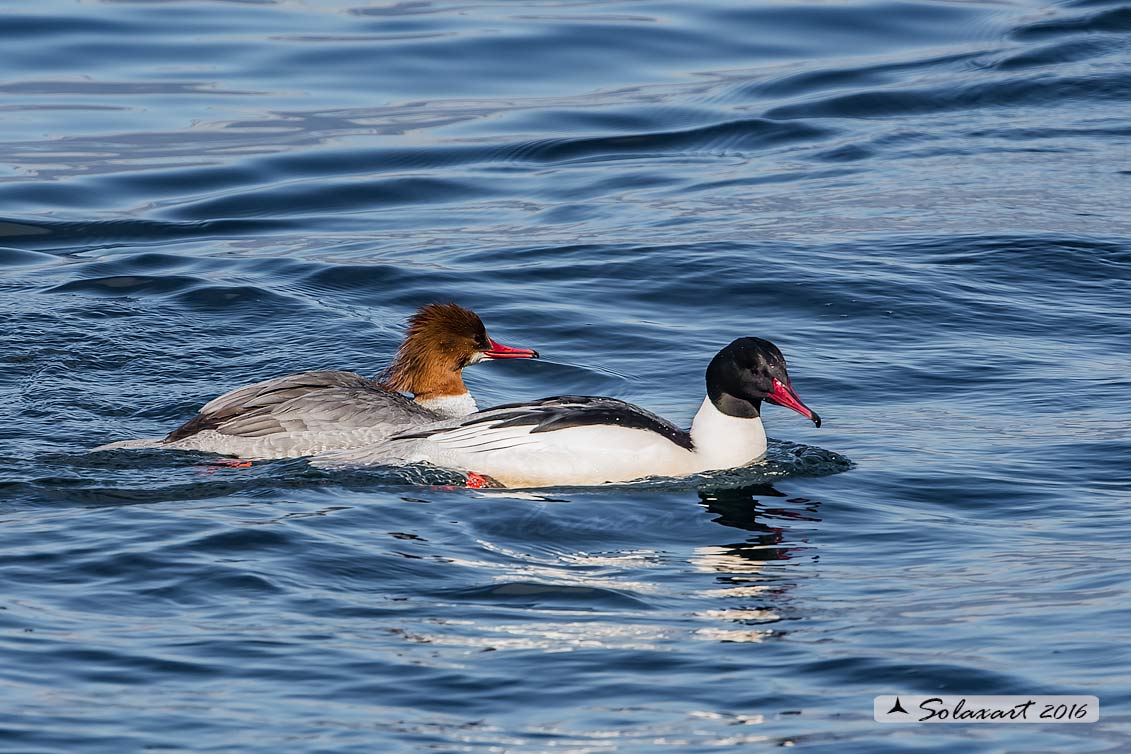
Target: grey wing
<point>280,389</point>
<point>306,401</point>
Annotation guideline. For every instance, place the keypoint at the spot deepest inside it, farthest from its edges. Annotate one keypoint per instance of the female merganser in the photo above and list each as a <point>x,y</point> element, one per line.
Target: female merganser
<point>582,440</point>
<point>311,412</point>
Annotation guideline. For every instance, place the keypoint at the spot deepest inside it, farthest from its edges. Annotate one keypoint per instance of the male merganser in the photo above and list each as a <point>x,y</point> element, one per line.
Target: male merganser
<point>311,412</point>
<point>583,440</point>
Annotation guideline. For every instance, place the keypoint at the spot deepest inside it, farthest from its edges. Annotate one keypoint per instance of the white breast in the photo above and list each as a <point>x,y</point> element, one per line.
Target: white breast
<point>725,442</point>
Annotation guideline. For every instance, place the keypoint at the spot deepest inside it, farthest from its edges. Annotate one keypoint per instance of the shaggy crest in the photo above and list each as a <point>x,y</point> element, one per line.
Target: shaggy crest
<point>441,339</point>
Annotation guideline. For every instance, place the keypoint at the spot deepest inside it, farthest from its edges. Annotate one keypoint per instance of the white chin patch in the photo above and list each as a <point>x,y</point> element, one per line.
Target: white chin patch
<point>450,405</point>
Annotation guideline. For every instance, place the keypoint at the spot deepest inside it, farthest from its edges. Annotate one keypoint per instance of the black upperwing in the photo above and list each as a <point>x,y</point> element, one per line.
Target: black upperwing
<point>563,412</point>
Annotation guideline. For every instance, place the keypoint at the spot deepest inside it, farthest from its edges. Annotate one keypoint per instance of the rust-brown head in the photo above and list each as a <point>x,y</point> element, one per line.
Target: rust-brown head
<point>440,341</point>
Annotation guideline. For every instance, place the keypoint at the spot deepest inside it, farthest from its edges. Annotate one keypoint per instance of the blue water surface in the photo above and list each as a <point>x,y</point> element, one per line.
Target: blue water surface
<point>927,205</point>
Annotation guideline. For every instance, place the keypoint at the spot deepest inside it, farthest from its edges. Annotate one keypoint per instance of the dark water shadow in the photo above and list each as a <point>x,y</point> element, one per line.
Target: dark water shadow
<point>743,508</point>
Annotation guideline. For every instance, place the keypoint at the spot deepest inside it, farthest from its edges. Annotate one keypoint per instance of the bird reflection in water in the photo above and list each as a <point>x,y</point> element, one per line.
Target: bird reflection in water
<point>750,570</point>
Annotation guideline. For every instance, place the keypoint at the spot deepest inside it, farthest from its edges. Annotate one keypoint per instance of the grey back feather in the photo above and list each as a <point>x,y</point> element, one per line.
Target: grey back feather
<point>307,401</point>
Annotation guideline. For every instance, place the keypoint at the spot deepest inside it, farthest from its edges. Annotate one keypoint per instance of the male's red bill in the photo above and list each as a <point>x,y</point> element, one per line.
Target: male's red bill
<point>784,395</point>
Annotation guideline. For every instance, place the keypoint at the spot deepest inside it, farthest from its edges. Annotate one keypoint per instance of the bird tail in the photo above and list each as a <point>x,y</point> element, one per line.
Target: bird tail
<point>140,443</point>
